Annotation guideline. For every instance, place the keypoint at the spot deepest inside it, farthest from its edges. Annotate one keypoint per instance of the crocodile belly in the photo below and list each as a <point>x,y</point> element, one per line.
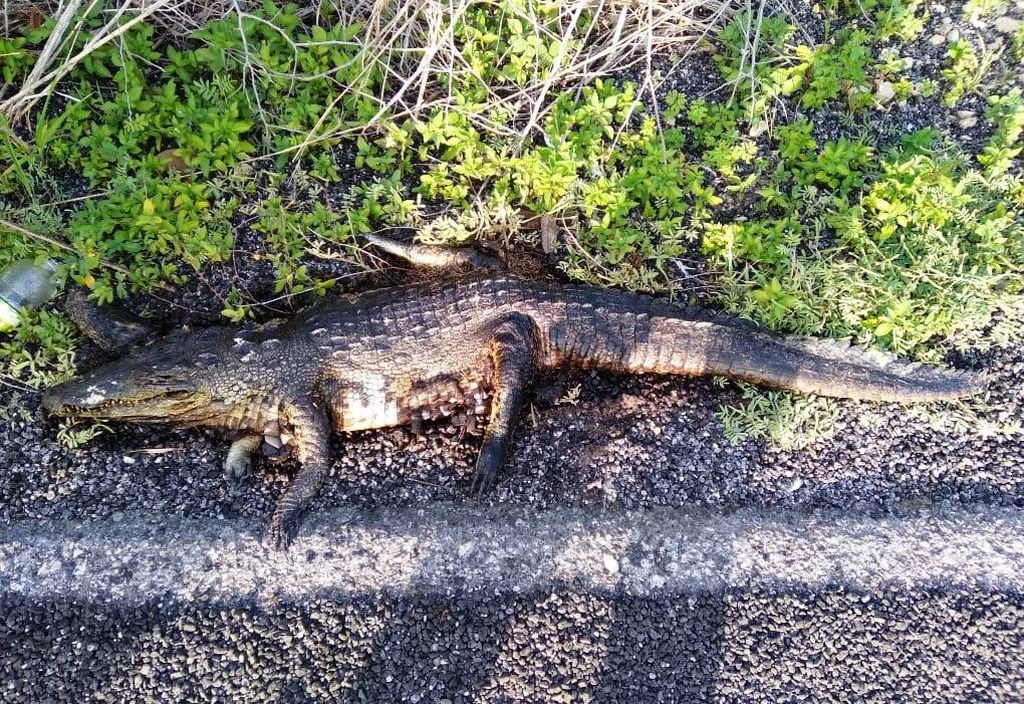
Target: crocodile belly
<point>375,403</point>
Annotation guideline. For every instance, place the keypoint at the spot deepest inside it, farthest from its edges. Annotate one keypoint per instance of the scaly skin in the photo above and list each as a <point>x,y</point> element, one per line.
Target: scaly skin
<point>402,355</point>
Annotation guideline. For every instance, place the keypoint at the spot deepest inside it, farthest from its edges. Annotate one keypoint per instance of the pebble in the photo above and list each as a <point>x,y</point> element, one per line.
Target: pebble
<point>1007,25</point>
<point>885,92</point>
<point>966,119</point>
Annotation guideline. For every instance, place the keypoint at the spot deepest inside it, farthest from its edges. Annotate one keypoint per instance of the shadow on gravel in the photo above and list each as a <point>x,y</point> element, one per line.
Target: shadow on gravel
<point>553,646</point>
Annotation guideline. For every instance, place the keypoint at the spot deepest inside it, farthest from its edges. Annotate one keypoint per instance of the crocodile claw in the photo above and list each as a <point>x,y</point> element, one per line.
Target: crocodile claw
<point>488,464</point>
<point>482,483</point>
<point>278,534</point>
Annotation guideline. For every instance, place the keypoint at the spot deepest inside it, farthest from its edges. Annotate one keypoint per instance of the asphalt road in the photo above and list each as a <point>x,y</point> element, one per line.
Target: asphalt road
<point>450,603</point>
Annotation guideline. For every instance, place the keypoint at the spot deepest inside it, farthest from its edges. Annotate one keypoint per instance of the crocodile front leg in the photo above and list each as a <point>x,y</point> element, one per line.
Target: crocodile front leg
<point>310,431</point>
<point>512,349</point>
<point>239,459</point>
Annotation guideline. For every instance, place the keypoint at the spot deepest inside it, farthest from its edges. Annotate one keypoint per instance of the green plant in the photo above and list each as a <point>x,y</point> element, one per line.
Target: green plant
<point>71,434</point>
<point>788,420</point>
<point>1017,44</point>
<point>764,67</point>
<point>982,7</point>
<point>835,69</point>
<point>841,164</point>
<point>40,352</point>
<point>300,228</point>
<point>149,224</point>
<point>899,18</point>
<point>965,70</point>
<point>920,247</point>
<point>1006,114</point>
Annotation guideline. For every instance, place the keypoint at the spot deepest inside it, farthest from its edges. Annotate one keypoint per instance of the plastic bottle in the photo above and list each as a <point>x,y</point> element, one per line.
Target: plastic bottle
<point>24,284</point>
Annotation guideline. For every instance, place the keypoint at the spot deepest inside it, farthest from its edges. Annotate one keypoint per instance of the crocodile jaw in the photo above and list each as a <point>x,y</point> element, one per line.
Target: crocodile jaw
<point>121,399</point>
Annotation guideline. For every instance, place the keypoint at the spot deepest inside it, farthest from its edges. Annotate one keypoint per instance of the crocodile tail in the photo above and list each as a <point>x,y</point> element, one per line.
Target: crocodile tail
<point>805,364</point>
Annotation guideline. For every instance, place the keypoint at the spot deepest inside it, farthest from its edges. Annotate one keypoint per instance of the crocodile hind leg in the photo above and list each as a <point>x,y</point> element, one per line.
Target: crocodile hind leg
<point>310,438</point>
<point>430,256</point>
<point>111,327</point>
<point>512,347</point>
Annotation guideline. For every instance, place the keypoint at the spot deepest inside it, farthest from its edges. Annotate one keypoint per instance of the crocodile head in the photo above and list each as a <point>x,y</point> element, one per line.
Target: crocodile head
<point>179,378</point>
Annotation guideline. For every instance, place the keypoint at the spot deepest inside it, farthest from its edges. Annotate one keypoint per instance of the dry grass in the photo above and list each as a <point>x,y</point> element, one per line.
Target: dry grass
<point>413,43</point>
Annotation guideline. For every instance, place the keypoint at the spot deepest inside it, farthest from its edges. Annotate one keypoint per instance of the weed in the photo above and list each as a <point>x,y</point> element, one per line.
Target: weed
<point>764,67</point>
<point>1006,114</point>
<point>71,435</point>
<point>835,69</point>
<point>788,420</point>
<point>965,70</point>
<point>40,352</point>
<point>891,18</point>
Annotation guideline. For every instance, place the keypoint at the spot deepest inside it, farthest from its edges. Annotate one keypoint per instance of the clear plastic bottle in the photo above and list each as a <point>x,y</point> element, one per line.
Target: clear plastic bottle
<point>24,284</point>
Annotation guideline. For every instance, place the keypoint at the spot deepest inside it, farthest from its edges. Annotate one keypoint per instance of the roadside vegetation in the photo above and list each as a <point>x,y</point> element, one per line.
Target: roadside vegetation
<point>771,163</point>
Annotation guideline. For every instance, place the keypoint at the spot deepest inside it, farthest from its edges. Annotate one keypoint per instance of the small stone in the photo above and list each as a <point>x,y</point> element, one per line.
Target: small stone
<point>885,92</point>
<point>953,35</point>
<point>966,119</point>
<point>1007,25</point>
<point>611,565</point>
<point>127,459</point>
<point>937,39</point>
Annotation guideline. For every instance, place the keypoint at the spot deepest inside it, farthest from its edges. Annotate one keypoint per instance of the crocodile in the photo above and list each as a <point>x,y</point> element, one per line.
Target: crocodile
<point>436,349</point>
